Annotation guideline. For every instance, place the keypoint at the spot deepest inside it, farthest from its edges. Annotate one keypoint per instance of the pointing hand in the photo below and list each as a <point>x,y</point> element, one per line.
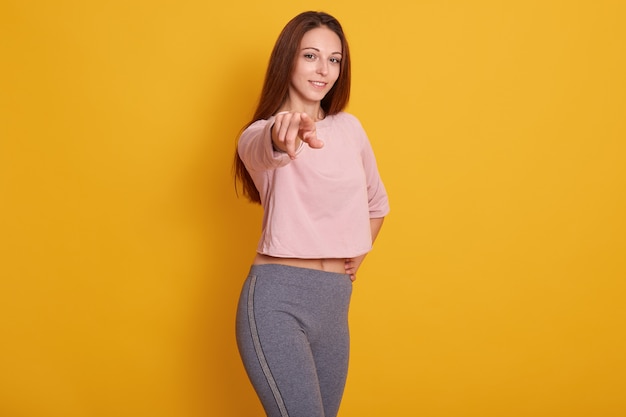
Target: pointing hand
<point>290,129</point>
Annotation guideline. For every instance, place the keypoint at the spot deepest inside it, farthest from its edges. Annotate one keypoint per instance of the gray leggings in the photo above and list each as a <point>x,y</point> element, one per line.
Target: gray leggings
<point>292,334</point>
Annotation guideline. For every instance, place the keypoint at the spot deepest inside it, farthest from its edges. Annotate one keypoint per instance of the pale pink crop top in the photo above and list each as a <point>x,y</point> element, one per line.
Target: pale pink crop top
<point>318,205</point>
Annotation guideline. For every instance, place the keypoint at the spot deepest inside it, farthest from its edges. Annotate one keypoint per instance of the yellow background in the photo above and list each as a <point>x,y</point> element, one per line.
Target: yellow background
<point>497,287</point>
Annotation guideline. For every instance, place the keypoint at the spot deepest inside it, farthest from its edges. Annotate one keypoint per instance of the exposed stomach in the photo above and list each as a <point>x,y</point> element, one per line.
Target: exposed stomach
<point>326,264</point>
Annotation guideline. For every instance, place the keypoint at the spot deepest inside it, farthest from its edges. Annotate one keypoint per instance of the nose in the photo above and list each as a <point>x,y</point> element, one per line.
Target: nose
<point>322,67</point>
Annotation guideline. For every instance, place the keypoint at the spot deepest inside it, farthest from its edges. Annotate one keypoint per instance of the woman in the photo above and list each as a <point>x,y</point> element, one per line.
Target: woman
<point>311,167</point>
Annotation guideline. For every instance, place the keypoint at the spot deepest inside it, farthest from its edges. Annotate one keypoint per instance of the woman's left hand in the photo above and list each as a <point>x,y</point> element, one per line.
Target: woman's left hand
<point>352,265</point>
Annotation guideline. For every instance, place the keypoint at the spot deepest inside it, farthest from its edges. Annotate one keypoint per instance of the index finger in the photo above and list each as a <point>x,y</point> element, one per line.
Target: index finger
<point>306,122</point>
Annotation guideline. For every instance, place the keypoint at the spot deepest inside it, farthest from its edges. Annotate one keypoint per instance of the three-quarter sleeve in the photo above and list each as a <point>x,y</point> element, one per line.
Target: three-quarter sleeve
<point>378,200</point>
<point>256,150</point>
<point>376,192</point>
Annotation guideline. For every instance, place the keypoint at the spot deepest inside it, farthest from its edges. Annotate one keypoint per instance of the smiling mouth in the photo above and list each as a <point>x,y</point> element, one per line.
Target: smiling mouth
<point>318,84</point>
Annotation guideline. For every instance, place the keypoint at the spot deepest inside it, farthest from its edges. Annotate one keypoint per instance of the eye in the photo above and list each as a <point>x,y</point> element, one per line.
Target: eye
<point>309,56</point>
<point>335,60</point>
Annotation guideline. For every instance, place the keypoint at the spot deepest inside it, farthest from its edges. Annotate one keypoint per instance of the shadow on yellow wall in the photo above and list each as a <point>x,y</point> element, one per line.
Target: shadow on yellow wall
<point>496,287</point>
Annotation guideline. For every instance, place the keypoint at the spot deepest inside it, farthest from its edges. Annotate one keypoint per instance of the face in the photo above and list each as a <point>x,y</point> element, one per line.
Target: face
<point>317,66</point>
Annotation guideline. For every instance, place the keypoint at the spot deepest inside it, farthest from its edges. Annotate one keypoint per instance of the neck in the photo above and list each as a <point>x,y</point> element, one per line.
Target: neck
<point>314,110</point>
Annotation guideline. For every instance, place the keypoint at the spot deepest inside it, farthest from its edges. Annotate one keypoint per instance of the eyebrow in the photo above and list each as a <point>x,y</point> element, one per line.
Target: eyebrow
<point>315,49</point>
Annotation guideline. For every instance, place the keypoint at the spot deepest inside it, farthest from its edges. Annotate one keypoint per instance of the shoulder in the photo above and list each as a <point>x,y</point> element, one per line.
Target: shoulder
<point>256,128</point>
<point>259,124</point>
<point>346,120</point>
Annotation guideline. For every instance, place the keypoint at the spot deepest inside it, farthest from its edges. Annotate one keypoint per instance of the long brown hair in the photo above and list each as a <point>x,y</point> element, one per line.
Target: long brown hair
<point>277,80</point>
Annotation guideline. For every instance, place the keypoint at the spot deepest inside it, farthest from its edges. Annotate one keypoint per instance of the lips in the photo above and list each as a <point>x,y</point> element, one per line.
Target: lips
<point>318,84</point>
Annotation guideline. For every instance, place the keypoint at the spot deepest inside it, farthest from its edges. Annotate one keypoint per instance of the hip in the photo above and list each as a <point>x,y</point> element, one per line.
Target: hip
<point>336,265</point>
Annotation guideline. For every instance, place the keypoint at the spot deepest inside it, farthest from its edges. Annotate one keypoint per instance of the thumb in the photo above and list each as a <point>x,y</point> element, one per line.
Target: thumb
<point>311,139</point>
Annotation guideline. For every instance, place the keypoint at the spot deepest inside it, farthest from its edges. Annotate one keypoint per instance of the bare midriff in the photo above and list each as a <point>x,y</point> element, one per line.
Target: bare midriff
<point>327,264</point>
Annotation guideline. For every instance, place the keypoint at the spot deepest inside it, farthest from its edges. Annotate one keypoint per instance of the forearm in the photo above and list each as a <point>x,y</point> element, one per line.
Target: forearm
<point>256,150</point>
<point>353,264</point>
<point>376,225</point>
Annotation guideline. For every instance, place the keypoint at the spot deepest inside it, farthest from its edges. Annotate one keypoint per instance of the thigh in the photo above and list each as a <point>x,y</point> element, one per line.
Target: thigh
<point>331,353</point>
<point>276,352</point>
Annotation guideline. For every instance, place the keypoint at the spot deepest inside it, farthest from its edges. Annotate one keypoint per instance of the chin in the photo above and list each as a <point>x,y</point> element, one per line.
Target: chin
<point>318,96</point>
